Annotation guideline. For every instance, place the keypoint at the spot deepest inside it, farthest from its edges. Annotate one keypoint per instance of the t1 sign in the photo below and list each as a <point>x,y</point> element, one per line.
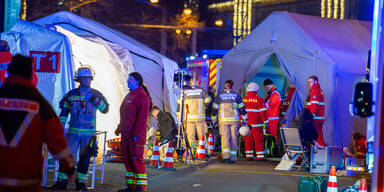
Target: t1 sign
<point>46,61</point>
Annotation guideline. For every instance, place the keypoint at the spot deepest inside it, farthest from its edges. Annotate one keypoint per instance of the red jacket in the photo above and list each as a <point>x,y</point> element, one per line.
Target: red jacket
<point>133,116</point>
<point>273,102</point>
<point>256,109</point>
<point>5,59</point>
<point>361,147</point>
<point>315,102</point>
<point>287,101</point>
<point>27,121</point>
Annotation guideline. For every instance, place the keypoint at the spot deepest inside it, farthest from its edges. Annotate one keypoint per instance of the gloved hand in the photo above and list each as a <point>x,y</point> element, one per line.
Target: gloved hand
<point>68,167</point>
<point>117,130</point>
<point>245,121</point>
<point>92,98</point>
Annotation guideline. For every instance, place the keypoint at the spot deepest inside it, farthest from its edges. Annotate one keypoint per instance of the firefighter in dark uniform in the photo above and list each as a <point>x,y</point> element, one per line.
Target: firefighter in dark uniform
<point>226,109</point>
<point>82,103</point>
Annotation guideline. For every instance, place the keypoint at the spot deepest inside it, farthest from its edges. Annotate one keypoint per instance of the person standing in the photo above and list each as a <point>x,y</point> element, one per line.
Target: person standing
<point>134,111</point>
<point>257,118</point>
<point>81,103</point>
<point>5,59</point>
<point>195,102</point>
<point>273,101</point>
<point>27,121</point>
<point>226,109</point>
<point>315,103</point>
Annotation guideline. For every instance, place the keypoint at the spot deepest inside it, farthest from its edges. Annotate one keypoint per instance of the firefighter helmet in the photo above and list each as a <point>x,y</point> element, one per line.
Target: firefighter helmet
<point>245,130</point>
<point>84,71</point>
<point>253,87</point>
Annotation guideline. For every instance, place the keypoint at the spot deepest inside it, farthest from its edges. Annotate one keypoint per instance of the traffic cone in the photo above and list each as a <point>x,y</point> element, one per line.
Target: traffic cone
<point>200,154</point>
<point>155,156</point>
<point>363,185</point>
<point>210,145</point>
<point>168,159</point>
<point>332,181</point>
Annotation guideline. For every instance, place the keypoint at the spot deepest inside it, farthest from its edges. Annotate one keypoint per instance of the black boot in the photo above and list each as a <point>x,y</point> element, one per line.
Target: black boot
<point>141,188</point>
<point>60,185</point>
<point>81,186</point>
<point>128,189</point>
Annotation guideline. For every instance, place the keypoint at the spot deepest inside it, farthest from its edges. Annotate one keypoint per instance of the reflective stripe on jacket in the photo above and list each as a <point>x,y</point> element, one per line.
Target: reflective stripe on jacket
<point>273,102</point>
<point>256,109</point>
<point>227,107</point>
<point>195,103</point>
<point>27,122</point>
<point>315,102</point>
<point>83,111</point>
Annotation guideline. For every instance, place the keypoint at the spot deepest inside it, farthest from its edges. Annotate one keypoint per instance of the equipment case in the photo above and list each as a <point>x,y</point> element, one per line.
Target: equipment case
<point>322,158</point>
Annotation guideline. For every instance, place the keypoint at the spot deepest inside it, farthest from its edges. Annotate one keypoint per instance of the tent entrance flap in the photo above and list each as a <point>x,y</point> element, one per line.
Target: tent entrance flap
<point>270,70</point>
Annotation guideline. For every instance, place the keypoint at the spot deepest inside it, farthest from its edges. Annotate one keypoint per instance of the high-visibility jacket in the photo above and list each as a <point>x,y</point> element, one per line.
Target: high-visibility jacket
<point>273,101</point>
<point>256,110</point>
<point>287,101</point>
<point>195,102</point>
<point>227,107</point>
<point>27,121</point>
<point>82,110</point>
<point>315,102</point>
<point>361,147</point>
<point>5,60</point>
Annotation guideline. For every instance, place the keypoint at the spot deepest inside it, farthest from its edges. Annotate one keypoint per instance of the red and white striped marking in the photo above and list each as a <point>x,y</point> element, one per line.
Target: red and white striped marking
<point>210,144</point>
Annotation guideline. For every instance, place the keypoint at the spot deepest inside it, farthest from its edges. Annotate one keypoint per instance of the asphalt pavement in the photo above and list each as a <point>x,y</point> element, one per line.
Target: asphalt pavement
<point>211,176</point>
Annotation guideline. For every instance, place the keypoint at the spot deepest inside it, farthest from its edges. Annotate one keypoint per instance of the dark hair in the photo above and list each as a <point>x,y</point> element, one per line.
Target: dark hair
<point>4,45</point>
<point>137,76</point>
<point>314,77</point>
<point>267,82</point>
<point>356,136</point>
<point>230,83</point>
<point>21,66</point>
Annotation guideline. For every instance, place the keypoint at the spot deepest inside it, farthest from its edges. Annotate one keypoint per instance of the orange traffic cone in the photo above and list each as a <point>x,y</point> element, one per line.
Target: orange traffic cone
<point>210,145</point>
<point>332,181</point>
<point>363,185</point>
<point>168,159</point>
<point>155,156</point>
<point>200,154</point>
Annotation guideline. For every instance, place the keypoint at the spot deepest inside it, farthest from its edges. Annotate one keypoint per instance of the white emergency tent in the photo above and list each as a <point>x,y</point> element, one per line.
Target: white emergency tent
<point>334,50</point>
<point>26,38</point>
<point>157,70</point>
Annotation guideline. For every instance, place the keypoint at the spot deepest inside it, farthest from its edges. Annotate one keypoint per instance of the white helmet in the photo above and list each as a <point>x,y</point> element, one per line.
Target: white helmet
<point>84,71</point>
<point>253,87</point>
<point>245,130</point>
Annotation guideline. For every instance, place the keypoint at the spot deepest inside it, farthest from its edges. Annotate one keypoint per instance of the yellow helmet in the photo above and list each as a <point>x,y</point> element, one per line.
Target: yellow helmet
<point>84,71</point>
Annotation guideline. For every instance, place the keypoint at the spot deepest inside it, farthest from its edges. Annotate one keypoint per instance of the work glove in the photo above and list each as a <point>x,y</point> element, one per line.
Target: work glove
<point>92,98</point>
<point>117,130</point>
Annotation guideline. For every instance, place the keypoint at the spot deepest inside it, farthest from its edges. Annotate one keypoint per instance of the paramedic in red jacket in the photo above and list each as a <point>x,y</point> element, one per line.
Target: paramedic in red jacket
<point>273,102</point>
<point>315,103</point>
<point>257,118</point>
<point>5,59</point>
<point>134,112</point>
<point>27,121</point>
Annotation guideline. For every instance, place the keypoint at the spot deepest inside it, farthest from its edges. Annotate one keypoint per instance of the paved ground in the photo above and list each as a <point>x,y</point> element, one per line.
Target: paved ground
<point>212,176</point>
<point>240,177</point>
<point>115,172</point>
